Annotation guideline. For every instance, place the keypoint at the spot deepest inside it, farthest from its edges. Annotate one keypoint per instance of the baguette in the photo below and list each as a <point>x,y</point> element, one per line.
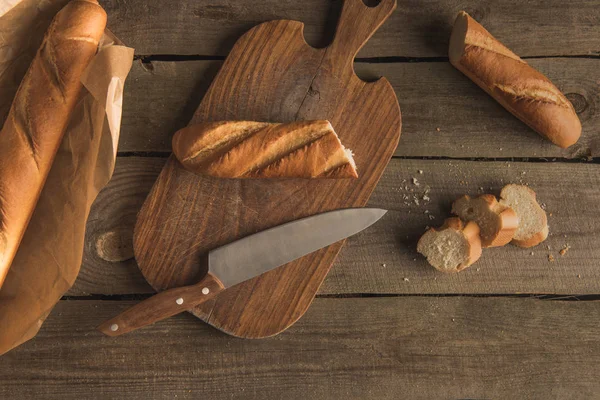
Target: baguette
<point>497,222</point>
<point>245,149</point>
<point>519,88</point>
<point>453,247</point>
<point>39,115</point>
<point>533,222</point>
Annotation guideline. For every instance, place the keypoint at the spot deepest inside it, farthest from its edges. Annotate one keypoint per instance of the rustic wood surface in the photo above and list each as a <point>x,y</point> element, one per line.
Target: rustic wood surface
<point>271,75</point>
<point>378,260</point>
<point>362,348</point>
<point>432,95</point>
<point>424,335</point>
<point>417,29</point>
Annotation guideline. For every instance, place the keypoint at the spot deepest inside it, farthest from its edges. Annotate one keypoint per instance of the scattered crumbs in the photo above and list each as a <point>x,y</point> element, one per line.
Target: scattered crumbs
<point>532,253</point>
<point>426,198</point>
<point>579,276</point>
<point>453,320</point>
<point>565,235</point>
<point>415,182</point>
<point>438,129</point>
<point>426,212</point>
<point>477,269</point>
<point>384,265</point>
<point>416,201</point>
<point>550,214</point>
<point>523,173</point>
<point>405,280</point>
<point>550,258</point>
<point>548,246</point>
<point>564,250</point>
<point>431,216</point>
<point>420,171</point>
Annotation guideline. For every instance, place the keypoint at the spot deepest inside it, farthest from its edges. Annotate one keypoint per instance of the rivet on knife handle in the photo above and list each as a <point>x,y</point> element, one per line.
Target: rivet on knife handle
<point>162,305</point>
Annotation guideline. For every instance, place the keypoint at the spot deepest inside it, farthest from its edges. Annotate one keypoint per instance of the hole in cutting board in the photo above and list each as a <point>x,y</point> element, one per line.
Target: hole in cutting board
<point>372,3</point>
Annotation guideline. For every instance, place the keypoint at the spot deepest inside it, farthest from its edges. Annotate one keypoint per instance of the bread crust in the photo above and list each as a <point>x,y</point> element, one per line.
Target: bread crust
<point>39,115</point>
<point>506,225</point>
<point>522,90</point>
<point>470,232</point>
<point>247,149</point>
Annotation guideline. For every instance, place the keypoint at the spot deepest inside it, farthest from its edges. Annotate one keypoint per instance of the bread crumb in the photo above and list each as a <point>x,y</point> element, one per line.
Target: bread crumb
<point>405,279</point>
<point>420,171</point>
<point>550,258</point>
<point>426,212</point>
<point>477,269</point>
<point>431,216</point>
<point>532,253</point>
<point>426,198</point>
<point>500,149</point>
<point>414,259</point>
<point>579,276</point>
<point>438,129</point>
<point>415,182</point>
<point>549,214</point>
<point>453,320</point>
<point>383,265</point>
<point>523,173</point>
<point>564,250</point>
<point>548,246</point>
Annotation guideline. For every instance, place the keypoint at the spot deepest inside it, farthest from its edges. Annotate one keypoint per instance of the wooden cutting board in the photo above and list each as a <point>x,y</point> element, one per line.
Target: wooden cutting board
<point>271,74</point>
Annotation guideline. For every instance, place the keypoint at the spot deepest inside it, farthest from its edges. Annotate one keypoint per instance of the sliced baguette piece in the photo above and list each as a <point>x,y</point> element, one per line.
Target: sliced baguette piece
<point>533,222</point>
<point>248,149</point>
<point>497,222</point>
<point>452,247</point>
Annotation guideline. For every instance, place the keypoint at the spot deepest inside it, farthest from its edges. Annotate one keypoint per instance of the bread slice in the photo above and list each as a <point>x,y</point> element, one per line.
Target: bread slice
<point>533,223</point>
<point>497,222</point>
<point>452,247</point>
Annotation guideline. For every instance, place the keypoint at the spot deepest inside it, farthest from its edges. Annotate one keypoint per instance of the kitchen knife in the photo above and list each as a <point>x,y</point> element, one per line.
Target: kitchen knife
<point>244,259</point>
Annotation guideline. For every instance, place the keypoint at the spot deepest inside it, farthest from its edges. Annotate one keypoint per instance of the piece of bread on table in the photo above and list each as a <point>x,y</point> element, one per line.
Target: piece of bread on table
<point>519,88</point>
<point>533,222</point>
<point>39,115</point>
<point>452,247</point>
<point>247,149</point>
<point>497,222</point>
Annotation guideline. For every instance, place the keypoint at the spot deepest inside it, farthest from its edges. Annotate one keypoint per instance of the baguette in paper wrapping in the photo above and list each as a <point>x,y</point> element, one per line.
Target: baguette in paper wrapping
<point>50,255</point>
<point>38,117</point>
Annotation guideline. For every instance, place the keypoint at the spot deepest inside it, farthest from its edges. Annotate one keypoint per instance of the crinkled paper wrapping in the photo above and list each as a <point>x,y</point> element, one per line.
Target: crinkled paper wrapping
<point>50,254</point>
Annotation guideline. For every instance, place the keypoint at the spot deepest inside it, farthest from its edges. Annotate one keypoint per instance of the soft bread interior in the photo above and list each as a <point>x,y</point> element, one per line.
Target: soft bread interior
<point>446,250</point>
<point>532,218</point>
<point>457,38</point>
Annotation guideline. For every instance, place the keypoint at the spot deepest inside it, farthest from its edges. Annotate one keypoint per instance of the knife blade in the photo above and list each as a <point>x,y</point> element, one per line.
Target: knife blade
<point>245,259</point>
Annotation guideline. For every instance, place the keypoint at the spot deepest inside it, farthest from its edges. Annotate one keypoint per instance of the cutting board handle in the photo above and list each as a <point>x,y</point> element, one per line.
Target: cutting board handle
<point>358,22</point>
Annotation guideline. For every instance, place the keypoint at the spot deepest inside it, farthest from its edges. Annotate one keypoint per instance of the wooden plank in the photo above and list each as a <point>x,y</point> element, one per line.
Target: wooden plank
<point>416,29</point>
<point>379,259</point>
<point>375,348</point>
<point>432,96</point>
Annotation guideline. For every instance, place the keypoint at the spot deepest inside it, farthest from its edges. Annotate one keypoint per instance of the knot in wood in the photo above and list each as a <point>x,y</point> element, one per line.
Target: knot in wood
<point>115,246</point>
<point>579,102</point>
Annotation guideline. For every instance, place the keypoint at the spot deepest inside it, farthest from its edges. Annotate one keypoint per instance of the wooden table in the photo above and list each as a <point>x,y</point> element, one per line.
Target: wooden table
<point>385,325</point>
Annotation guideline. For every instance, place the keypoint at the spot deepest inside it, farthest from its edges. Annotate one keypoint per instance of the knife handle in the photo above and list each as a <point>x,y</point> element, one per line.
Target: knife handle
<point>163,305</point>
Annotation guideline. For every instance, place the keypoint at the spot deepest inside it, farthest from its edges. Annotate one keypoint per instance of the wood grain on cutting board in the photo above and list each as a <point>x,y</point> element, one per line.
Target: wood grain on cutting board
<point>271,75</point>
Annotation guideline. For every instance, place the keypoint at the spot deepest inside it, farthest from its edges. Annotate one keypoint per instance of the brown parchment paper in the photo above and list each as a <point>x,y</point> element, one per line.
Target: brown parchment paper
<point>50,254</point>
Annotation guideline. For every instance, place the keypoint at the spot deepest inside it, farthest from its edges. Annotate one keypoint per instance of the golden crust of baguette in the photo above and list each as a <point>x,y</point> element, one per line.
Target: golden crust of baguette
<point>247,149</point>
<point>498,223</point>
<point>522,90</point>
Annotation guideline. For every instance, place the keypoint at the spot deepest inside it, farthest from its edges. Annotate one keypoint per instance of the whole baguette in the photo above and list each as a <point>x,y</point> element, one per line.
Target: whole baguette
<point>519,88</point>
<point>39,115</point>
<point>246,149</point>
